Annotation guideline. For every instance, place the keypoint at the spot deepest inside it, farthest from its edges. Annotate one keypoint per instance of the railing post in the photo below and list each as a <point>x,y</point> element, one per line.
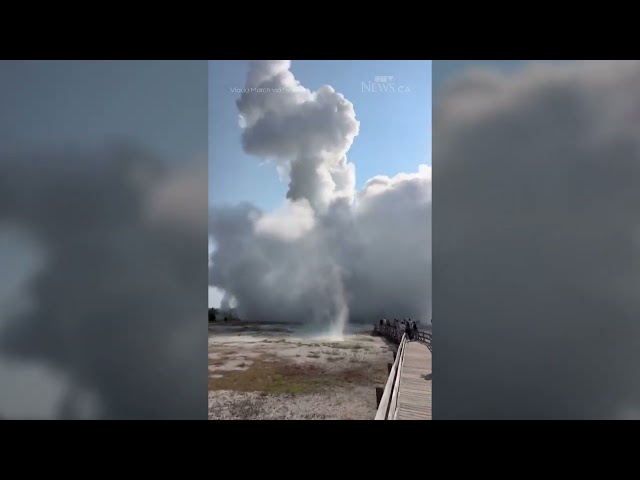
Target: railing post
<point>379,392</point>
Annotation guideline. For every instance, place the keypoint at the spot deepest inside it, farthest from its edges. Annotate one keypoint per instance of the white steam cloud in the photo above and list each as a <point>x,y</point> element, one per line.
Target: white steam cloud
<point>331,253</point>
<point>537,248</point>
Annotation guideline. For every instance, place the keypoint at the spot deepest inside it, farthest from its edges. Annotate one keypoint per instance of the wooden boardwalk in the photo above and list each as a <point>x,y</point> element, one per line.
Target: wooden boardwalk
<point>414,386</point>
<point>407,393</point>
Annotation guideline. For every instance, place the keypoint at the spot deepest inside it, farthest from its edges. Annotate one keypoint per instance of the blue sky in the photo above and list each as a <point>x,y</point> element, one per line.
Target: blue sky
<point>395,128</point>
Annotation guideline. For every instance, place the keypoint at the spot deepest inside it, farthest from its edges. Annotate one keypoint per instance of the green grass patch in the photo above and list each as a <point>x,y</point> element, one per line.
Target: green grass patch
<point>283,377</point>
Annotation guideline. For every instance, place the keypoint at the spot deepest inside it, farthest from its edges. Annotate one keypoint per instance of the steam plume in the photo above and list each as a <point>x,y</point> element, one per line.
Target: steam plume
<point>331,253</point>
<point>537,248</point>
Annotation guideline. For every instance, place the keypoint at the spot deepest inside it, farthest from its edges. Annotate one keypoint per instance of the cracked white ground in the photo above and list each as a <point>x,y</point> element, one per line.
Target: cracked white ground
<point>260,371</point>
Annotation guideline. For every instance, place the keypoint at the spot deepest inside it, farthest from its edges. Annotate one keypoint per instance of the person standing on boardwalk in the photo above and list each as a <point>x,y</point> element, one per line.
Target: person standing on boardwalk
<point>407,330</point>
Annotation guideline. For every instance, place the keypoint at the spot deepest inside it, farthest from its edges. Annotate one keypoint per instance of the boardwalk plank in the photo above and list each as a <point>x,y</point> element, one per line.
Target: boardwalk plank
<point>414,393</point>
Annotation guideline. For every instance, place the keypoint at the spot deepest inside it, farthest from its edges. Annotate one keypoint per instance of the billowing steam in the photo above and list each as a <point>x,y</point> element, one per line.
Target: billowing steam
<point>105,315</point>
<point>331,253</point>
<point>538,239</point>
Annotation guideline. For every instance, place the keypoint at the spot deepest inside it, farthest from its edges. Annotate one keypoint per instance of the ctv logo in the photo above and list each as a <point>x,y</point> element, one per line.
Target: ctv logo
<point>383,84</point>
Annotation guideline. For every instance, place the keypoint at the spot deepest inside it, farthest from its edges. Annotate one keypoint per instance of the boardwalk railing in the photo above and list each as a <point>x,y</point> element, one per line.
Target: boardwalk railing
<point>389,401</point>
<point>425,337</point>
<point>388,406</point>
<point>394,333</point>
<point>389,331</point>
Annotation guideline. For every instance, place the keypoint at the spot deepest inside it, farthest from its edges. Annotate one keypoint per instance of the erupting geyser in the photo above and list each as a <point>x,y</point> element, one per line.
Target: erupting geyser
<point>331,254</point>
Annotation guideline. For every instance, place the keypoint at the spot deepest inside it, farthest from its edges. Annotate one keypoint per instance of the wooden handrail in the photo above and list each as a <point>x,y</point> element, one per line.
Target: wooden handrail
<point>393,405</point>
<point>385,401</point>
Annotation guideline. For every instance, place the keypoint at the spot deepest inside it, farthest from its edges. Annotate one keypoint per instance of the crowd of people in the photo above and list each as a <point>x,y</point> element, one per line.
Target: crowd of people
<point>409,326</point>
